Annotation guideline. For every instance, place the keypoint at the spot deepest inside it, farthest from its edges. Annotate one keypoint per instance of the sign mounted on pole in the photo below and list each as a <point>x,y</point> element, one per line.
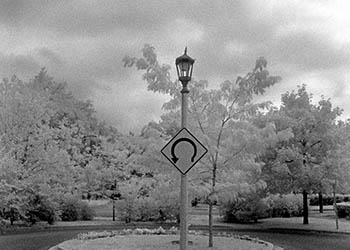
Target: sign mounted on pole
<point>184,150</point>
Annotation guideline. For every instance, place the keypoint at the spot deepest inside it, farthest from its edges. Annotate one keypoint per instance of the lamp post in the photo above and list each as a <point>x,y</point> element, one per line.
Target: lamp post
<point>184,66</point>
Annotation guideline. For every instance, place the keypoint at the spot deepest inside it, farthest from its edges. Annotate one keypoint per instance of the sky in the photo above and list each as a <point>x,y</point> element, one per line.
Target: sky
<point>83,43</point>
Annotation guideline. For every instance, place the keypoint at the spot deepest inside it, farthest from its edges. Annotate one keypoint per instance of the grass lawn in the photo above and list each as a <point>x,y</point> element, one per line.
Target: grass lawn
<point>160,242</point>
<point>103,208</point>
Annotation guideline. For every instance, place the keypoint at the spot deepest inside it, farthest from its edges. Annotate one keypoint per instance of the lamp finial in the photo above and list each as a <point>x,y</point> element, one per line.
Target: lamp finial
<point>185,51</point>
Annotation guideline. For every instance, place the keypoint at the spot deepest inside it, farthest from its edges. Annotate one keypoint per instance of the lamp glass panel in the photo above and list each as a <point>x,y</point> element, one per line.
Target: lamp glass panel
<point>185,66</point>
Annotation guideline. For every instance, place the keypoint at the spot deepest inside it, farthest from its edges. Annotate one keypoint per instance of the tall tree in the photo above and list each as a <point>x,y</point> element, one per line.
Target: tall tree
<point>219,117</point>
<point>29,144</point>
<point>49,140</point>
<point>299,163</point>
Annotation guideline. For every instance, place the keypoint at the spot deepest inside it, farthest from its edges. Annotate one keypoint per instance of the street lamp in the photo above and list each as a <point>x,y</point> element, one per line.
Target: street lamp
<point>184,66</point>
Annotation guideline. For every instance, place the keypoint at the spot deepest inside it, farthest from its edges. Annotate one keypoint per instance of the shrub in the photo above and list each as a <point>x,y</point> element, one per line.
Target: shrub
<point>168,205</point>
<point>69,211</point>
<point>160,205</point>
<point>86,212</point>
<point>287,205</point>
<point>40,209</point>
<point>147,209</point>
<point>343,210</point>
<point>73,209</point>
<point>195,201</point>
<point>244,208</point>
<point>11,214</point>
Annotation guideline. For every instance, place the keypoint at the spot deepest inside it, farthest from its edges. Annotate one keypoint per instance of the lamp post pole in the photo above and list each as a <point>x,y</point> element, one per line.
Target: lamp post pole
<point>183,192</point>
<point>184,66</point>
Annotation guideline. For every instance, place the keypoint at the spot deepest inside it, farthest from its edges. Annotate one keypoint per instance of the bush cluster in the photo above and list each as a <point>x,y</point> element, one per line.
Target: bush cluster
<point>343,210</point>
<point>141,209</point>
<point>137,231</point>
<point>328,199</point>
<point>40,209</point>
<point>148,209</point>
<point>73,209</point>
<point>287,205</point>
<point>251,207</point>
<point>244,208</point>
<point>12,214</point>
<point>35,208</point>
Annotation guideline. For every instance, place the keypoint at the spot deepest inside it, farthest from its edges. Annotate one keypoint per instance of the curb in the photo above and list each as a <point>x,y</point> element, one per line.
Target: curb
<point>79,227</point>
<point>268,244</point>
<point>306,230</point>
<point>56,248</point>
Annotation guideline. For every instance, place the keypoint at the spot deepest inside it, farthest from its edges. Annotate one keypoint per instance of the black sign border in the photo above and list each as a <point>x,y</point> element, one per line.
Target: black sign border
<point>172,139</point>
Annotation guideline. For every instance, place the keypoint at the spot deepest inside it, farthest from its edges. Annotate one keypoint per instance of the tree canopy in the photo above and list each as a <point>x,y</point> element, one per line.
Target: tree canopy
<point>221,119</point>
<point>50,142</point>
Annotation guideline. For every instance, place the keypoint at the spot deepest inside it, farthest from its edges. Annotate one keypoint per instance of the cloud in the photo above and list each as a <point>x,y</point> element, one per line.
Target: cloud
<point>129,107</point>
<point>51,58</point>
<point>310,51</point>
<point>83,43</point>
<point>83,18</point>
<point>25,67</point>
<point>22,66</point>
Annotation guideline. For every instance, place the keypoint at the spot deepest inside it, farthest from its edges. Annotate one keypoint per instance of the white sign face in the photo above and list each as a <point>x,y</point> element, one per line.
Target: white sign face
<point>184,150</point>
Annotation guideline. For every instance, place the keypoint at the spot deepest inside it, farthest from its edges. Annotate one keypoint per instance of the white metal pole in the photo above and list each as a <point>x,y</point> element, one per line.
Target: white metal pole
<point>183,192</point>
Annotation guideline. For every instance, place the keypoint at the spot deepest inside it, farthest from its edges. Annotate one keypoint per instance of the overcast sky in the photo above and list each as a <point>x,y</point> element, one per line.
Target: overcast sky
<point>83,42</point>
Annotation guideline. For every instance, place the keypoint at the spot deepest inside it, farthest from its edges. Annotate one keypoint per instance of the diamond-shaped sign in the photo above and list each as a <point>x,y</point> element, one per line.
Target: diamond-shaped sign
<point>184,150</point>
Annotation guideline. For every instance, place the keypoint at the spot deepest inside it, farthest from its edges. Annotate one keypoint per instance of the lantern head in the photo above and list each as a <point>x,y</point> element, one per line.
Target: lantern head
<point>184,66</point>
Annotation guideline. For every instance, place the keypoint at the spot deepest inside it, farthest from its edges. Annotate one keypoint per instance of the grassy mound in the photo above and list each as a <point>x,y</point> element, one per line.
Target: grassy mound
<point>161,242</point>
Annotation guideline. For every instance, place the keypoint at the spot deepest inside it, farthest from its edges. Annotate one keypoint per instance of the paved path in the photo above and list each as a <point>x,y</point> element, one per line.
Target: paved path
<point>290,233</point>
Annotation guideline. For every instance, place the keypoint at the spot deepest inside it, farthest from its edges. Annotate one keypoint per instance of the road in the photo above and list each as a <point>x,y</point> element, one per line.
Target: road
<point>303,240</point>
<point>287,239</point>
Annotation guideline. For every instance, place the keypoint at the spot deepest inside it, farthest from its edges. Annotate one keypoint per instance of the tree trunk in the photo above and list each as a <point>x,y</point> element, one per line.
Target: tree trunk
<point>211,203</point>
<point>320,202</point>
<point>210,224</point>
<point>335,207</point>
<point>113,209</point>
<point>305,208</point>
<point>114,188</point>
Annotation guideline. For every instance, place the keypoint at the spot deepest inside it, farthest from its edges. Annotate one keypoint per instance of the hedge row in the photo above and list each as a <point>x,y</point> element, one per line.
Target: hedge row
<point>149,209</point>
<point>343,210</point>
<point>288,205</point>
<point>35,208</point>
<point>40,208</point>
<point>250,207</point>
<point>73,209</point>
<point>328,199</point>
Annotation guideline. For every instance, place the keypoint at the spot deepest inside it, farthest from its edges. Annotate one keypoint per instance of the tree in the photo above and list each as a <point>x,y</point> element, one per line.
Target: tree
<point>220,118</point>
<point>30,155</point>
<point>338,159</point>
<point>299,162</point>
<point>49,141</point>
<point>337,164</point>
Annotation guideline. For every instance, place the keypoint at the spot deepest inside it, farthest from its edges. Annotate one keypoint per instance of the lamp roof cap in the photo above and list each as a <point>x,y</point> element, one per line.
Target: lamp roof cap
<point>184,58</point>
